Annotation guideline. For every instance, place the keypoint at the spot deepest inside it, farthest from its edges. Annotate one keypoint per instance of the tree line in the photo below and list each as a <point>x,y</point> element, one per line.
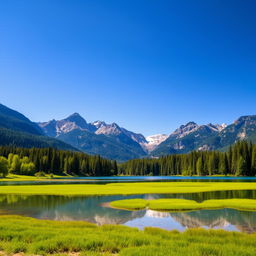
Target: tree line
<point>239,160</point>
<point>52,161</point>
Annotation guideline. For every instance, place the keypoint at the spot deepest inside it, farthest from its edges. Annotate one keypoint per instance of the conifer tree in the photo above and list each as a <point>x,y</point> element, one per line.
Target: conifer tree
<point>199,166</point>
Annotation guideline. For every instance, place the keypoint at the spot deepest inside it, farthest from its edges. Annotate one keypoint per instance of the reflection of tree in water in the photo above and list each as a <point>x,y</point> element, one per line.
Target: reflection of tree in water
<point>244,221</point>
<point>67,208</point>
<point>90,209</point>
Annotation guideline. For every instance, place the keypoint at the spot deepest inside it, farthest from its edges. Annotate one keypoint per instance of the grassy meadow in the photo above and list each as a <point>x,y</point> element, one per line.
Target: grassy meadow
<point>43,237</point>
<point>23,235</point>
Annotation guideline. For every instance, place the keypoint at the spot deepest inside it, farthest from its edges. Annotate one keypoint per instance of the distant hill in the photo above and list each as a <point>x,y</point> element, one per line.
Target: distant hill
<point>18,130</point>
<point>11,119</point>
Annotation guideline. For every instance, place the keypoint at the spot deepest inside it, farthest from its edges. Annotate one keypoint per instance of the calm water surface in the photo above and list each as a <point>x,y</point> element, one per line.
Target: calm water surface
<point>105,180</point>
<point>93,209</point>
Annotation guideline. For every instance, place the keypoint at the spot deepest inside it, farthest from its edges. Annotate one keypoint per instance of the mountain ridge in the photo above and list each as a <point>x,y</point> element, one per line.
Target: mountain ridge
<point>109,140</point>
<point>117,143</point>
<point>192,136</point>
<point>187,137</point>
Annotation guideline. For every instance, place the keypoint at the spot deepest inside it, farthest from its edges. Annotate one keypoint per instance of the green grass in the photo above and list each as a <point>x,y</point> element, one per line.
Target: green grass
<point>16,177</point>
<point>43,237</point>
<point>130,204</point>
<point>184,205</point>
<point>126,188</point>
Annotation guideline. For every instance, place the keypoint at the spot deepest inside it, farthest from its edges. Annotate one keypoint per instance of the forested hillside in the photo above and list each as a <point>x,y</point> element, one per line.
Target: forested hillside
<point>49,160</point>
<point>240,159</point>
<point>23,139</point>
<point>11,119</point>
<point>17,130</point>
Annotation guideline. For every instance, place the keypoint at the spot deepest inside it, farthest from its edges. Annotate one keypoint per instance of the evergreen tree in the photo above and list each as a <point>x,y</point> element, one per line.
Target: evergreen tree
<point>199,166</point>
<point>253,161</point>
<point>3,166</point>
<point>241,166</point>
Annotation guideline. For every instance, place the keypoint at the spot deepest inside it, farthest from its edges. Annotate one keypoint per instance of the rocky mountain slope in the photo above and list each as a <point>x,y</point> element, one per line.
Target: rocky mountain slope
<point>115,142</point>
<point>207,137</point>
<point>108,140</point>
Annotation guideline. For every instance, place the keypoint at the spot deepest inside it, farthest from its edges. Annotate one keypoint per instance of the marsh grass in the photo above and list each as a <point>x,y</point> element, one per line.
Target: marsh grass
<point>175,204</point>
<point>126,188</point>
<point>42,237</point>
<point>17,177</point>
<point>130,204</point>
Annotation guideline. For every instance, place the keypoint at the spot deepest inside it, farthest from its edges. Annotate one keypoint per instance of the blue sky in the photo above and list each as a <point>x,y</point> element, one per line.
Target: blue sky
<point>148,65</point>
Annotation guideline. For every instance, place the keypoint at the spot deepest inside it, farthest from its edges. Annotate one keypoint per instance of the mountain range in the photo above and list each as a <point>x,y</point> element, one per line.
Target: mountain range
<point>115,142</point>
<point>108,140</point>
<point>207,137</point>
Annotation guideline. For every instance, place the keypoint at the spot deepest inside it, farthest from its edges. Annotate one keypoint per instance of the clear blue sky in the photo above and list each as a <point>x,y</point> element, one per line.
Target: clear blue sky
<point>148,65</point>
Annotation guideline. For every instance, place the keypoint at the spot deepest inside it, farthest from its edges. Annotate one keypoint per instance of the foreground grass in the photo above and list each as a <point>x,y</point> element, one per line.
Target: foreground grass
<point>41,237</point>
<point>126,188</point>
<point>184,205</point>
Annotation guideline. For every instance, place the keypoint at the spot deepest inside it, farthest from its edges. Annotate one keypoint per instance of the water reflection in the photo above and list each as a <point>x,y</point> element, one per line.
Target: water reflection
<point>224,218</point>
<point>91,209</point>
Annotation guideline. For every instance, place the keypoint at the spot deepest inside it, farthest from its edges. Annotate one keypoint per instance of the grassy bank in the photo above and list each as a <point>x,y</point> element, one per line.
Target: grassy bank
<point>16,177</point>
<point>184,205</point>
<point>40,237</point>
<point>126,188</point>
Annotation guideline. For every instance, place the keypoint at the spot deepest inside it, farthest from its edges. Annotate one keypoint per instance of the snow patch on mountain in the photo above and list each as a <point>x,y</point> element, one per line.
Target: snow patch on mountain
<point>154,140</point>
<point>217,127</point>
<point>204,148</point>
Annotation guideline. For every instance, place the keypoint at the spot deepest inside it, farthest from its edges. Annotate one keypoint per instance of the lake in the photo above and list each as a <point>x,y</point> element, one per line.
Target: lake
<point>95,209</point>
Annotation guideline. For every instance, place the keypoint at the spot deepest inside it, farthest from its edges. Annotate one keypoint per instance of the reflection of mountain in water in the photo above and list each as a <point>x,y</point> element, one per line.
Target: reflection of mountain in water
<point>90,209</point>
<point>199,220</point>
<point>156,214</point>
<point>244,221</point>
